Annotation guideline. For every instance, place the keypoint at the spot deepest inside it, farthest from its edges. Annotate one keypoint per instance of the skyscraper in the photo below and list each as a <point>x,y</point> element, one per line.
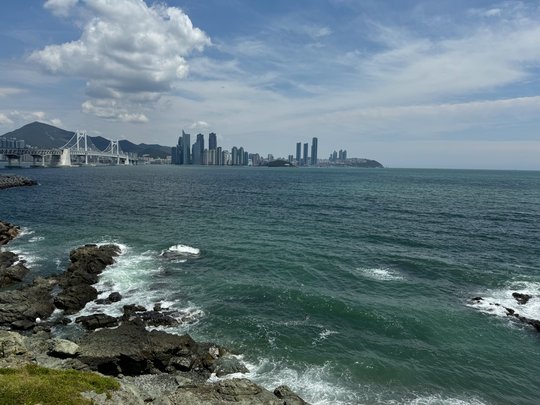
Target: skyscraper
<point>198,149</point>
<point>298,153</point>
<point>212,141</point>
<point>314,146</point>
<point>305,160</point>
<point>186,148</point>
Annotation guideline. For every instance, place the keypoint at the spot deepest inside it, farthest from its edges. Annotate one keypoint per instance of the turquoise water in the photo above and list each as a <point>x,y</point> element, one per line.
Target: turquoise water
<point>352,286</point>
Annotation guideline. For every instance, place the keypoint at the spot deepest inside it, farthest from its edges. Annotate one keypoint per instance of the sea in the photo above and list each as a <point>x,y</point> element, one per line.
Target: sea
<point>351,286</point>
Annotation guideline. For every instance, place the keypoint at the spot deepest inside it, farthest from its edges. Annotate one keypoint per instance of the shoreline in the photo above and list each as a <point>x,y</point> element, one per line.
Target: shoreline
<point>151,366</point>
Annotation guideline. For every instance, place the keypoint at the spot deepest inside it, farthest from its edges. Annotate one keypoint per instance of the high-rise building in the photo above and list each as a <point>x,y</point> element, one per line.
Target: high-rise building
<point>198,150</point>
<point>305,160</point>
<point>186,148</point>
<point>298,153</point>
<point>234,156</point>
<point>212,141</point>
<point>219,156</point>
<point>241,156</point>
<point>314,146</point>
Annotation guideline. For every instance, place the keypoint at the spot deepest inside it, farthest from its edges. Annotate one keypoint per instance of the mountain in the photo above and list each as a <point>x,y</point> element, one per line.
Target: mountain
<point>47,136</point>
<point>41,135</point>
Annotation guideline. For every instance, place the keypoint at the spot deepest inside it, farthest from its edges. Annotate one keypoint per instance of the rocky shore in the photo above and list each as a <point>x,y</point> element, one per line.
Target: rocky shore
<point>151,366</point>
<point>8,181</point>
<point>521,299</point>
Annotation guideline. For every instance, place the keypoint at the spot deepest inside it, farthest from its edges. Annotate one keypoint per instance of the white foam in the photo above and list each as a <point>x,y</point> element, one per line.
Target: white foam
<point>380,274</point>
<point>182,250</point>
<point>440,400</point>
<point>131,276</point>
<point>495,301</point>
<point>36,239</point>
<point>312,384</point>
<point>24,231</point>
<point>323,335</point>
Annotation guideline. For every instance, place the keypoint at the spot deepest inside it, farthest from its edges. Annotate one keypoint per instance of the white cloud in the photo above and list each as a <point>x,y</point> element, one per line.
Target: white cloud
<point>4,119</point>
<point>127,51</point>
<point>60,8</point>
<point>57,122</point>
<point>9,91</point>
<point>199,125</point>
<point>112,110</point>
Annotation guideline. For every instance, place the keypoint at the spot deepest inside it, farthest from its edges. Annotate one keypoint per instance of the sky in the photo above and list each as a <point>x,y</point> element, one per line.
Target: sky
<point>438,83</point>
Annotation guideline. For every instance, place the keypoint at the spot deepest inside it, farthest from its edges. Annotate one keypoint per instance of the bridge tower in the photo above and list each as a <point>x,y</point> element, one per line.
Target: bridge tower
<point>82,137</point>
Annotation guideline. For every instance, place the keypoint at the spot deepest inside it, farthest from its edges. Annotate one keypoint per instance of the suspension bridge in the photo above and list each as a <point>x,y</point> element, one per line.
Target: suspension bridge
<point>79,150</point>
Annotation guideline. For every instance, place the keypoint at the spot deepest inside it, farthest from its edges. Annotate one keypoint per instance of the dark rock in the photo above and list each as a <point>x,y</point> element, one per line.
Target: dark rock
<point>509,311</point>
<point>11,269</point>
<point>103,301</point>
<point>132,350</point>
<point>74,298</point>
<point>477,299</point>
<point>157,306</point>
<point>15,181</point>
<point>522,299</point>
<point>8,232</point>
<point>22,324</point>
<point>130,309</point>
<point>236,390</point>
<point>154,318</point>
<point>290,397</point>
<point>228,365</point>
<point>28,303</point>
<point>96,321</point>
<point>115,297</point>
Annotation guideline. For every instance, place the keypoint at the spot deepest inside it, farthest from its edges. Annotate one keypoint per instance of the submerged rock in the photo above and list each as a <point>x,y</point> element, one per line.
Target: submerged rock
<point>522,299</point>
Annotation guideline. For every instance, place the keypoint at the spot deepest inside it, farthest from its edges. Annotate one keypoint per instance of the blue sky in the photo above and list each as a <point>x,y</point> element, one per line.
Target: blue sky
<point>409,83</point>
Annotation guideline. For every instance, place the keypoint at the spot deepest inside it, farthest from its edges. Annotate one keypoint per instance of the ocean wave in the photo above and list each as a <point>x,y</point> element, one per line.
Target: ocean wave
<point>181,251</point>
<point>496,301</point>
<point>36,239</point>
<point>380,274</point>
<point>440,400</point>
<point>131,275</point>
<point>323,335</point>
<point>312,383</point>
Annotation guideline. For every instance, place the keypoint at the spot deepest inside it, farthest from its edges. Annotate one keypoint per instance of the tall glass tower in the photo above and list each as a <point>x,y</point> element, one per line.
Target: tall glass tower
<point>314,146</point>
<point>186,148</point>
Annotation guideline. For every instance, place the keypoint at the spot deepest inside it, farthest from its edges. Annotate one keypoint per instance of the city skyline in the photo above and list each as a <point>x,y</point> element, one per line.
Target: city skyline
<point>410,83</point>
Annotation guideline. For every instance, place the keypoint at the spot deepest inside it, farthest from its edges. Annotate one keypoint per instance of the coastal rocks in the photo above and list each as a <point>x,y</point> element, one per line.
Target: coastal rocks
<point>95,321</point>
<point>290,397</point>
<point>233,391</point>
<point>9,181</point>
<point>63,348</point>
<point>11,269</point>
<point>503,308</point>
<point>132,350</point>
<point>27,304</point>
<point>8,232</point>
<point>228,365</point>
<point>87,263</point>
<point>521,298</point>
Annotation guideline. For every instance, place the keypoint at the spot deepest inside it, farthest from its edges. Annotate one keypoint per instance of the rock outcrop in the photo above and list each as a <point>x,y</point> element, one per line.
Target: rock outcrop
<point>9,181</point>
<point>152,366</point>
<point>8,232</point>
